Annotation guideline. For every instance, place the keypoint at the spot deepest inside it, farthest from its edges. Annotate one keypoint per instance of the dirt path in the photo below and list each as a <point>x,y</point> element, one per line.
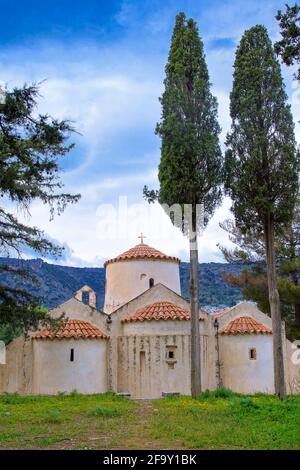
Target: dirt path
<point>141,437</point>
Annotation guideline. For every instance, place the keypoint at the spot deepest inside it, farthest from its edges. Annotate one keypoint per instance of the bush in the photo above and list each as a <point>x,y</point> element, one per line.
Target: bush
<point>53,416</point>
<point>204,395</point>
<point>247,402</point>
<point>105,411</point>
<point>223,393</point>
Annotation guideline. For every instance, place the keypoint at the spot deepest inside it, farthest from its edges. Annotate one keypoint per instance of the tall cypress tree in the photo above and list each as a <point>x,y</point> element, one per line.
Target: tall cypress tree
<point>262,162</point>
<point>190,170</point>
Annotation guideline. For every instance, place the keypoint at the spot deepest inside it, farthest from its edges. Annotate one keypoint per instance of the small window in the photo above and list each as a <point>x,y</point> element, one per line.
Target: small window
<point>172,217</point>
<point>85,297</point>
<point>171,355</point>
<point>151,282</point>
<point>72,355</point>
<point>252,354</point>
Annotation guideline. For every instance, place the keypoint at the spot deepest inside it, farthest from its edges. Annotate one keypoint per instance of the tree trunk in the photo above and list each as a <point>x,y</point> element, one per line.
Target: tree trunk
<point>278,355</point>
<point>194,305</point>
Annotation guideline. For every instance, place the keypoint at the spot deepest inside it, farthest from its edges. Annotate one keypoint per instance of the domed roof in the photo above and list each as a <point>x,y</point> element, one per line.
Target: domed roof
<point>160,311</point>
<point>142,251</point>
<point>76,329</point>
<point>245,325</point>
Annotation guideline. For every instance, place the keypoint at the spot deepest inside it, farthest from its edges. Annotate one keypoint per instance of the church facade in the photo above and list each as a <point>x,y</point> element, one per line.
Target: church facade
<point>140,343</point>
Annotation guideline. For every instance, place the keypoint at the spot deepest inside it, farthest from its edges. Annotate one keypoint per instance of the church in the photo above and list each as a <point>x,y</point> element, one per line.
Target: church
<point>139,345</point>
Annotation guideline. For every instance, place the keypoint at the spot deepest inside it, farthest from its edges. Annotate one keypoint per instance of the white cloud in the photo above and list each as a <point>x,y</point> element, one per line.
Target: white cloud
<point>111,92</point>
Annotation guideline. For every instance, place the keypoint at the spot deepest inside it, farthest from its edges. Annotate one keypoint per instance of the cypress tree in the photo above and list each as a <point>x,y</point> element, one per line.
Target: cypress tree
<point>190,170</point>
<point>262,162</point>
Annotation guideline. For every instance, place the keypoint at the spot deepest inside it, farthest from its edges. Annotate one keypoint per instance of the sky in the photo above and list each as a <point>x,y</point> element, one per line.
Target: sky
<point>101,65</point>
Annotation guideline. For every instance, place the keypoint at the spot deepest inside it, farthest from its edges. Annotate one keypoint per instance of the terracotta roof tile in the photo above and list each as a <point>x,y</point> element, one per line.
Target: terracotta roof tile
<point>142,251</point>
<point>76,329</point>
<point>160,311</point>
<point>245,325</point>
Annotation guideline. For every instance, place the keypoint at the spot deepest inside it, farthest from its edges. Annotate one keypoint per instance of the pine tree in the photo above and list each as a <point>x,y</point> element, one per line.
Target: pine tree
<point>249,250</point>
<point>30,148</point>
<point>190,170</point>
<point>262,163</point>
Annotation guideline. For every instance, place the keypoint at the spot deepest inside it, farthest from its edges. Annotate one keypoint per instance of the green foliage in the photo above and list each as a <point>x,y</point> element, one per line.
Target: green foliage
<point>53,416</point>
<point>9,332</point>
<point>190,170</point>
<point>106,411</point>
<point>30,148</point>
<point>253,280</point>
<point>289,46</point>
<point>247,402</point>
<point>262,163</point>
<point>221,392</point>
<point>237,421</point>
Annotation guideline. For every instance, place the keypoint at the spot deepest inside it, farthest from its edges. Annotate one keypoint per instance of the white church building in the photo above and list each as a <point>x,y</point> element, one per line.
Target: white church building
<point>140,343</point>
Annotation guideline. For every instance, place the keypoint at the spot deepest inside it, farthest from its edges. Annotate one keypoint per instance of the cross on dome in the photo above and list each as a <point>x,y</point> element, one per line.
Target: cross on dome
<point>142,236</point>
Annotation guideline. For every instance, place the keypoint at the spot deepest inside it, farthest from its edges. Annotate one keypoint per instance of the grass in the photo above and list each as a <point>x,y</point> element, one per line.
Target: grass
<point>215,420</point>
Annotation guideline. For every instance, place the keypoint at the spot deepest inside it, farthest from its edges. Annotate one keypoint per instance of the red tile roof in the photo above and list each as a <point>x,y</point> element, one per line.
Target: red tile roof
<point>160,311</point>
<point>142,251</point>
<point>76,329</point>
<point>245,325</point>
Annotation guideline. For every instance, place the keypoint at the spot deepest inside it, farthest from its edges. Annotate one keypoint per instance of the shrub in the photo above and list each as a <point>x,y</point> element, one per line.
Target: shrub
<point>247,402</point>
<point>53,416</point>
<point>223,393</point>
<point>105,411</point>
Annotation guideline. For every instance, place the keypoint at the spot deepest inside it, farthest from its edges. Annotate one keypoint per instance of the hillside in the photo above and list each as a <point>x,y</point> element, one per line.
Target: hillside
<point>56,283</point>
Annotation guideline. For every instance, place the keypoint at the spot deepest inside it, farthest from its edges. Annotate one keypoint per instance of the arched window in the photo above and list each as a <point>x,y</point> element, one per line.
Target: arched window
<point>151,282</point>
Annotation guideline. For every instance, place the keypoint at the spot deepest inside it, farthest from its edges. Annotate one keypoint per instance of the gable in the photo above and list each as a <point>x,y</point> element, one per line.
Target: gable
<point>246,309</point>
<point>158,293</point>
<point>76,310</point>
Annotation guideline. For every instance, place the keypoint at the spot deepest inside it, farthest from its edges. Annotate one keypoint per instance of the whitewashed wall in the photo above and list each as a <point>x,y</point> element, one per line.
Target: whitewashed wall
<point>53,371</point>
<point>242,374</point>
<point>125,280</point>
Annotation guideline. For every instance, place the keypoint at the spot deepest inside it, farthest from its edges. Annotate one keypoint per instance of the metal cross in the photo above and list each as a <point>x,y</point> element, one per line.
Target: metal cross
<point>142,237</point>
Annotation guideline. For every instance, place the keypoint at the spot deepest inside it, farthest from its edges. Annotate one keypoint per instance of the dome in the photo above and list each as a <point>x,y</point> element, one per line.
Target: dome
<point>245,325</point>
<point>142,251</point>
<point>136,270</point>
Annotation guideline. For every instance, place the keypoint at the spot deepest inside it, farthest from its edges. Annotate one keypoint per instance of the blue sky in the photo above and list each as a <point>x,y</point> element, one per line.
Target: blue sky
<point>103,66</point>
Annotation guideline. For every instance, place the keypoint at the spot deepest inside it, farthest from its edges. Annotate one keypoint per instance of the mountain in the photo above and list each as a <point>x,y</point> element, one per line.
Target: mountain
<point>56,283</point>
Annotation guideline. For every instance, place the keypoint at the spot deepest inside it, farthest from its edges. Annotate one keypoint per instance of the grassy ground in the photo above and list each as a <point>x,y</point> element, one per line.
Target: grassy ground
<point>217,420</point>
